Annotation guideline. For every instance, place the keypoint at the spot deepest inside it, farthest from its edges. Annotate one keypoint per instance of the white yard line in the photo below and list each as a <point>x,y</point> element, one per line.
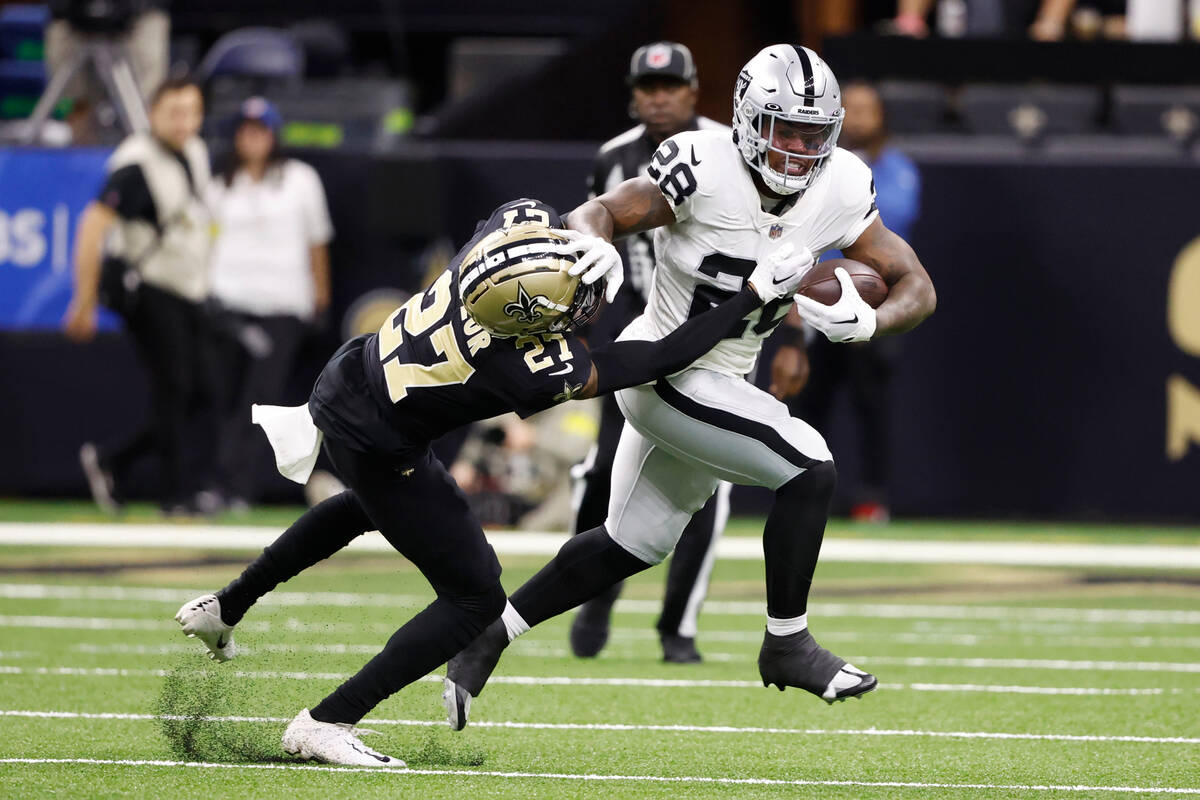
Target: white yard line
<point>614,778</point>
<point>1138,616</point>
<point>555,680</point>
<point>1023,553</point>
<point>618,726</point>
<point>528,648</point>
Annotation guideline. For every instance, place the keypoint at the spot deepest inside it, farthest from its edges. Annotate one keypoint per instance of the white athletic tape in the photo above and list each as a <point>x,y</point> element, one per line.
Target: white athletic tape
<point>618,726</point>
<point>616,778</point>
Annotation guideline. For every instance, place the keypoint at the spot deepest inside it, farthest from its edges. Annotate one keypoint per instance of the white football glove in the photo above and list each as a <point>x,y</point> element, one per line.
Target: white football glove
<point>596,259</point>
<point>850,319</point>
<point>779,274</point>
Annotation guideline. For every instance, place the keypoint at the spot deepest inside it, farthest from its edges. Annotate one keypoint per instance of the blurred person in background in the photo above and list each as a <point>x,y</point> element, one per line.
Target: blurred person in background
<point>142,249</point>
<point>865,367</point>
<point>664,88</point>
<point>1044,20</point>
<point>517,472</point>
<point>270,284</point>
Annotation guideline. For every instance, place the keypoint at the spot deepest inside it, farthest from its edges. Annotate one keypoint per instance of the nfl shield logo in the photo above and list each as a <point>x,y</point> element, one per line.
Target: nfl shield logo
<point>775,232</point>
<point>658,56</point>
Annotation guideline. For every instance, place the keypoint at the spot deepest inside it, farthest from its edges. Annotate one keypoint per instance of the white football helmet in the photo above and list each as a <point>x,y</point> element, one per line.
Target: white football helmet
<point>787,109</point>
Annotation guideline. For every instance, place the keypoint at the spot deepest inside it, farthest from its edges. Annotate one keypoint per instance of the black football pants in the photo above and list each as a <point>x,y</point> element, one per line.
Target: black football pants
<point>687,561</point>
<point>422,513</point>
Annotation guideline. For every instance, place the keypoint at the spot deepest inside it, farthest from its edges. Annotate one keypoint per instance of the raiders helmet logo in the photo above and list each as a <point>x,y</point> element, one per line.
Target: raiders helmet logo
<point>525,308</point>
<point>658,56</point>
<point>743,83</point>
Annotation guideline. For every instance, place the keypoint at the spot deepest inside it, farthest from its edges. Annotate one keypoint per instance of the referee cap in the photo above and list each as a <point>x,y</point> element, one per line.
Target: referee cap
<point>665,59</point>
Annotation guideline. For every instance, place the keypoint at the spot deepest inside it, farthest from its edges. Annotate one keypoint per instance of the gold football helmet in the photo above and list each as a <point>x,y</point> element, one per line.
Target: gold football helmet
<point>514,284</point>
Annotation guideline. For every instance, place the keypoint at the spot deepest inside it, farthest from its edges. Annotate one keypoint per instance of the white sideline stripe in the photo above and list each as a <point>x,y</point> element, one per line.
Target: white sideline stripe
<point>539,649</point>
<point>256,537</point>
<point>622,778</point>
<point>166,594</point>
<point>660,683</point>
<point>926,637</point>
<point>133,623</point>
<point>617,726</point>
<point>1031,663</point>
<point>33,591</point>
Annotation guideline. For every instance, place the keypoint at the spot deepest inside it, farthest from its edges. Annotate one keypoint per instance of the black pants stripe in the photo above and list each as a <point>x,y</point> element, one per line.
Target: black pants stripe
<point>688,559</point>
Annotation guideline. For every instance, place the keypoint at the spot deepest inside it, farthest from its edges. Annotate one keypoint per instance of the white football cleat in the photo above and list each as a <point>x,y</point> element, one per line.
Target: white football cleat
<point>332,743</point>
<point>201,618</point>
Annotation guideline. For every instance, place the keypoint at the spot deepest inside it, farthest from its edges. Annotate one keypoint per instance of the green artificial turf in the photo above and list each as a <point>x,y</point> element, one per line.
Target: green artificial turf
<point>948,642</point>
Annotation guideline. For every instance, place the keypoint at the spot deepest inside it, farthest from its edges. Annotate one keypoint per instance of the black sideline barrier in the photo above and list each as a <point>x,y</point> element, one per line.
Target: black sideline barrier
<point>1051,382</point>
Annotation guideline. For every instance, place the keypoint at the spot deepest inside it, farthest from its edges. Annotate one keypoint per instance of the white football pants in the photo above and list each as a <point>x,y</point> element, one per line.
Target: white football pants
<point>682,436</point>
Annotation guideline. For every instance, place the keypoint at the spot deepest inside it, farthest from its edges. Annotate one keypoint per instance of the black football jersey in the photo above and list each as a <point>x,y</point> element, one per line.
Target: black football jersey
<point>431,368</point>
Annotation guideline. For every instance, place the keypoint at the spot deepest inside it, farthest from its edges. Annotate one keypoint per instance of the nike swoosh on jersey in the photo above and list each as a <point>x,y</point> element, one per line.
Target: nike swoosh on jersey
<point>695,161</point>
<point>564,371</point>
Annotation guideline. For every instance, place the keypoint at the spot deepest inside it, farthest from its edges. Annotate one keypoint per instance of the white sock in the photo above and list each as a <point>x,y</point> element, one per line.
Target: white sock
<point>782,627</point>
<point>513,622</point>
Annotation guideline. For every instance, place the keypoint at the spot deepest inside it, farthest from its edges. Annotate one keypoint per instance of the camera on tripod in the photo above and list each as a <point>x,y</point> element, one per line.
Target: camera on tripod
<point>102,17</point>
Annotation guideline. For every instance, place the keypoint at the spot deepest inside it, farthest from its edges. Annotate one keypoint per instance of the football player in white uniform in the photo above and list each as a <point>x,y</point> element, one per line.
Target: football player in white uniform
<point>717,205</point>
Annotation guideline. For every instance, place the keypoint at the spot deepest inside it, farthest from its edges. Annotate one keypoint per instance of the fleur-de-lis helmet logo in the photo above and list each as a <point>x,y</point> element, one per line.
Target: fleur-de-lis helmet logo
<point>524,308</point>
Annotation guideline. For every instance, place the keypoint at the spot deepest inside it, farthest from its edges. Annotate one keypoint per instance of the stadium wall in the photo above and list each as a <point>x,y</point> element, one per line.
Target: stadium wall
<point>1059,378</point>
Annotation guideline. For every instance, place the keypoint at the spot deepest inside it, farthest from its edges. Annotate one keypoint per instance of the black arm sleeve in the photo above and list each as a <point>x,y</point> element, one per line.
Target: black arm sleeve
<point>620,365</point>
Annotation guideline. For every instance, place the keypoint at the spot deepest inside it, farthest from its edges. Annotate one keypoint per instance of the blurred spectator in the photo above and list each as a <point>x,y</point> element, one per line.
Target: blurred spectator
<point>515,472</point>
<point>1081,19</point>
<point>270,283</point>
<point>141,28</point>
<point>1043,20</point>
<point>866,367</point>
<point>142,249</point>
<point>664,88</point>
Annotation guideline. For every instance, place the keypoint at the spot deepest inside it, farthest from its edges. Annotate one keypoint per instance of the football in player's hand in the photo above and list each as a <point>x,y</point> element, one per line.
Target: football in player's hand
<point>822,285</point>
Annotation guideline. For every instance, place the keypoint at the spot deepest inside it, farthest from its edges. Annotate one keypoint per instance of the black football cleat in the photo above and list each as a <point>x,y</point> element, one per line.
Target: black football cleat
<point>468,672</point>
<point>589,630</point>
<point>679,649</point>
<point>797,660</point>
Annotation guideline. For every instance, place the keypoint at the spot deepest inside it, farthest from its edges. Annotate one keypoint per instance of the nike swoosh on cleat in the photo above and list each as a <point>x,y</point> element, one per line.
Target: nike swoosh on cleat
<point>221,642</point>
<point>695,161</point>
<point>376,756</point>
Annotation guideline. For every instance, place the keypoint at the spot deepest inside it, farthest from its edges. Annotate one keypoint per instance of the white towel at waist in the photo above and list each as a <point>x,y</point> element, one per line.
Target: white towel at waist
<point>293,436</point>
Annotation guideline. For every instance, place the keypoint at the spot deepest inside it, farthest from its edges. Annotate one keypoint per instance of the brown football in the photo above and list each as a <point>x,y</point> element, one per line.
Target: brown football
<point>822,285</point>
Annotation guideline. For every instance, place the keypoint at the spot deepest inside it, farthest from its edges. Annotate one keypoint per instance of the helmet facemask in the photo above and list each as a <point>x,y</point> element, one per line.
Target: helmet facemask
<point>788,151</point>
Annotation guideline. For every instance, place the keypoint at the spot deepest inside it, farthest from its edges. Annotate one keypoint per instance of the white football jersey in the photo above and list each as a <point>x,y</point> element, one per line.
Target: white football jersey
<point>721,231</point>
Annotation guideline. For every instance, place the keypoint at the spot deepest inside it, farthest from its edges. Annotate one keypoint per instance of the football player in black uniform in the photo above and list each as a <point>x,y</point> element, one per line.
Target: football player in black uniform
<point>494,333</point>
<point>663,82</point>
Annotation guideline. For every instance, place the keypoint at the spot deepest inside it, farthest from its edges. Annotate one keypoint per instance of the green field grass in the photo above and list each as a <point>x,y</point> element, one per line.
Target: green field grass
<point>995,682</point>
